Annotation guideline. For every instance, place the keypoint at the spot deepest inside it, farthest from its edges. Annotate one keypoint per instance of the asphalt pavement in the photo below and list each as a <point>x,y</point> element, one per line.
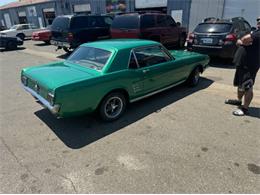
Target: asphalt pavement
<point>183,140</point>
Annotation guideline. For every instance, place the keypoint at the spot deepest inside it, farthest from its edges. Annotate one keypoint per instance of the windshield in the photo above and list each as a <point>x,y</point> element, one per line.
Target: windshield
<point>14,27</point>
<point>126,22</point>
<point>60,23</point>
<point>90,57</point>
<point>213,28</point>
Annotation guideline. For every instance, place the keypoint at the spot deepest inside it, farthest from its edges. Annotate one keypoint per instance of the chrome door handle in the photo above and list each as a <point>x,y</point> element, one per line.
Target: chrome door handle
<point>145,71</point>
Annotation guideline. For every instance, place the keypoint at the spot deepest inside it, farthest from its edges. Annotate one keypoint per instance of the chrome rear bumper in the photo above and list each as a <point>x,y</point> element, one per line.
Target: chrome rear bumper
<point>54,109</point>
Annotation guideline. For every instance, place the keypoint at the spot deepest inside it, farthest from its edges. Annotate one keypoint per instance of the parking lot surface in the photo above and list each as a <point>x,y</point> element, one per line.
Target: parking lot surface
<point>183,140</point>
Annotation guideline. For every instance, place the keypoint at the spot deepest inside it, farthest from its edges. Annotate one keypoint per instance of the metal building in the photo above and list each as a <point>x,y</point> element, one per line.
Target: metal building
<point>188,12</point>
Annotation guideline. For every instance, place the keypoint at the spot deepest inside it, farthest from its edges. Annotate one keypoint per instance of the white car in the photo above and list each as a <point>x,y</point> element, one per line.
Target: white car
<point>20,30</point>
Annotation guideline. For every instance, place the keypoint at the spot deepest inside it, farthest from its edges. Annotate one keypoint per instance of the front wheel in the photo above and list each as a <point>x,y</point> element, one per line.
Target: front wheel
<point>21,36</point>
<point>112,106</point>
<point>11,45</point>
<point>194,77</point>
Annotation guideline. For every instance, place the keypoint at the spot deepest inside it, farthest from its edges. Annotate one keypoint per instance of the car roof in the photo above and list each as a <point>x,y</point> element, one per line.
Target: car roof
<point>120,44</point>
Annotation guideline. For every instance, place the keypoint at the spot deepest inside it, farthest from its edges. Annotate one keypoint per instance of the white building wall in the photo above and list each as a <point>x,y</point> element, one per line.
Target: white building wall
<point>201,9</point>
<point>249,9</point>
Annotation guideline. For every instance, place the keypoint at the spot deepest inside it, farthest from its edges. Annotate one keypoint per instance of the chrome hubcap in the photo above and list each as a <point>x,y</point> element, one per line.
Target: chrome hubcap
<point>113,107</point>
<point>197,76</point>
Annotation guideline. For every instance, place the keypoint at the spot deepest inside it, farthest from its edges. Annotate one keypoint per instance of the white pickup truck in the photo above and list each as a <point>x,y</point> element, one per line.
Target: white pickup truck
<point>20,30</point>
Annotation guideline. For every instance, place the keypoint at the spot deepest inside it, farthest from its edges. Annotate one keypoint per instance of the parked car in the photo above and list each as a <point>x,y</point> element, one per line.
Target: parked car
<point>217,37</point>
<point>10,43</point>
<point>42,35</point>
<point>20,30</point>
<point>70,31</point>
<point>2,27</point>
<point>106,75</point>
<point>149,25</point>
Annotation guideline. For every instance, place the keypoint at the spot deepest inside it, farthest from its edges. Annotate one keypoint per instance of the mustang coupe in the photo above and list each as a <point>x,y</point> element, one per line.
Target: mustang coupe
<point>105,76</point>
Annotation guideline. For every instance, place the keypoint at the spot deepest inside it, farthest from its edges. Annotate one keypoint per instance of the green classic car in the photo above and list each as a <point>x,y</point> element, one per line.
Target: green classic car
<point>106,75</point>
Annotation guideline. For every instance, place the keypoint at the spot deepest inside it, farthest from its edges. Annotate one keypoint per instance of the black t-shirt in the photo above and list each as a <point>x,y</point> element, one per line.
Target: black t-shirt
<point>249,56</point>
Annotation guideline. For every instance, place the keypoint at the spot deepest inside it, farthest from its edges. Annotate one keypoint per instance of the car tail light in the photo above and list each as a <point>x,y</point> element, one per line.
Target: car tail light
<point>70,37</point>
<point>230,38</point>
<point>190,37</point>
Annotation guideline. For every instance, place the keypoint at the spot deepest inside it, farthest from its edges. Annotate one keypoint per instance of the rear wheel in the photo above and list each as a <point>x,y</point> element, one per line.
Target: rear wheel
<point>194,77</point>
<point>11,45</point>
<point>112,106</point>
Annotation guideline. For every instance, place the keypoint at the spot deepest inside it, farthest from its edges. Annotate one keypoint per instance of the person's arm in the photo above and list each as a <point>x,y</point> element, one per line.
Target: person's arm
<point>245,40</point>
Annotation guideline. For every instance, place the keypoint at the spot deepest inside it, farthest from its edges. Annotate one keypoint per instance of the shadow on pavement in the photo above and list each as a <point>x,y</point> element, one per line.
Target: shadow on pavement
<point>42,44</point>
<point>254,112</point>
<point>64,56</point>
<point>221,63</point>
<point>18,49</point>
<point>80,131</point>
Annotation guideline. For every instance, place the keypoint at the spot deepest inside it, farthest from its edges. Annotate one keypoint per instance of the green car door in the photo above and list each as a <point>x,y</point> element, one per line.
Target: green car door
<point>157,68</point>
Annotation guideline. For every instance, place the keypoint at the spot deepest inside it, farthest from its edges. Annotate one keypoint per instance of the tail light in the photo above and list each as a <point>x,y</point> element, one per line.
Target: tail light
<point>70,37</point>
<point>190,37</point>
<point>230,38</point>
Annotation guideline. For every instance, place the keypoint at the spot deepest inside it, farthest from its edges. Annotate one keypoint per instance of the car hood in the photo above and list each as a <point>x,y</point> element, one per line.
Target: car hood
<point>7,31</point>
<point>56,74</point>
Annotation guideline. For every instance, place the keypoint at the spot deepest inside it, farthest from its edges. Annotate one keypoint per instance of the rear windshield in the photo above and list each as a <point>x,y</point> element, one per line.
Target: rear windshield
<point>126,22</point>
<point>90,57</point>
<point>213,28</point>
<point>60,23</point>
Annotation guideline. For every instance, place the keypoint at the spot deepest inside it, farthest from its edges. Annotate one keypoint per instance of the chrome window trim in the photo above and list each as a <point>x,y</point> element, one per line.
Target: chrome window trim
<point>129,59</point>
<point>157,91</point>
<point>163,49</point>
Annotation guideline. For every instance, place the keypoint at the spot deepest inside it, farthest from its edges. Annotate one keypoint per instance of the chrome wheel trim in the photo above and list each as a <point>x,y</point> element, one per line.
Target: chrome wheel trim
<point>196,76</point>
<point>113,107</point>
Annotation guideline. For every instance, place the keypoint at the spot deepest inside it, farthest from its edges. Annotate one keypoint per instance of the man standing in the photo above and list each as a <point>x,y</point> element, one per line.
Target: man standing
<point>247,61</point>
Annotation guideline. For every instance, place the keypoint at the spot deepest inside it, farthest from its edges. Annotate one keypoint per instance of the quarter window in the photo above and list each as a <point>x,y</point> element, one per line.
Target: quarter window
<point>132,62</point>
<point>151,56</point>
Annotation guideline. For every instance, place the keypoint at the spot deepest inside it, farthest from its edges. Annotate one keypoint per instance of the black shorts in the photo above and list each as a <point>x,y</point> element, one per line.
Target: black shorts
<point>244,78</point>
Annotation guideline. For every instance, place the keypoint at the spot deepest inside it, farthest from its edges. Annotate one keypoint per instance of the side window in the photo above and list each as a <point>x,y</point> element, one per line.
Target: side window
<point>79,22</point>
<point>248,27</point>
<point>94,22</point>
<point>170,21</point>
<point>132,62</point>
<point>151,56</point>
<point>25,27</point>
<point>19,28</point>
<point>108,20</point>
<point>242,26</point>
<point>147,21</point>
<point>161,21</point>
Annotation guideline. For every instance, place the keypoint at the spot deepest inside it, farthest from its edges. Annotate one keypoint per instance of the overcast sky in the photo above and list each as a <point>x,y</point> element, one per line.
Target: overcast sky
<point>3,2</point>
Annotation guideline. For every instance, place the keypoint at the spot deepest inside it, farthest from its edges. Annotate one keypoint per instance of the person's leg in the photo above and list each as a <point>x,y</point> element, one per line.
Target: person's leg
<point>240,94</point>
<point>238,101</point>
<point>248,98</point>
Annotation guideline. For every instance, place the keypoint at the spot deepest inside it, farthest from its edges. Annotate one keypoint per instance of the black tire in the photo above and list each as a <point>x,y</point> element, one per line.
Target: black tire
<point>194,77</point>
<point>11,45</point>
<point>21,36</point>
<point>112,106</point>
<point>47,42</point>
<point>68,50</point>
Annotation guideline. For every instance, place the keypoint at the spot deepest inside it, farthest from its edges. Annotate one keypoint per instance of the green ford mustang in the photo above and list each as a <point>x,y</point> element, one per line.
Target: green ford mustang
<point>106,75</point>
